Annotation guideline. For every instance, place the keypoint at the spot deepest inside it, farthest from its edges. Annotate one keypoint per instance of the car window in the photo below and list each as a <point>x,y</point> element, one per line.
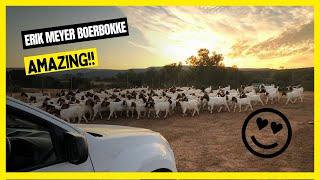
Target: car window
<point>30,142</point>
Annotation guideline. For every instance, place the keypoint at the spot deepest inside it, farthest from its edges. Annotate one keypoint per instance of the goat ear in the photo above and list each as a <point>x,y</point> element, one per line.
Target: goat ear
<point>90,102</point>
<point>65,106</point>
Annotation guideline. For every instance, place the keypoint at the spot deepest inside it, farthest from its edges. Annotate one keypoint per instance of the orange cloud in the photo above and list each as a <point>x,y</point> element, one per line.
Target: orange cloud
<point>293,41</point>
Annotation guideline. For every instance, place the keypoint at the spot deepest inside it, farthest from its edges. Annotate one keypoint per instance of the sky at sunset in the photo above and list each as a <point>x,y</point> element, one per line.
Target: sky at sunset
<point>249,37</point>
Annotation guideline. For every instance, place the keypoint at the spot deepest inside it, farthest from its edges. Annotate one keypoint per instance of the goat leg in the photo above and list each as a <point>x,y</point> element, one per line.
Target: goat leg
<point>194,111</point>
<point>227,107</point>
<point>110,115</point>
<point>165,116</point>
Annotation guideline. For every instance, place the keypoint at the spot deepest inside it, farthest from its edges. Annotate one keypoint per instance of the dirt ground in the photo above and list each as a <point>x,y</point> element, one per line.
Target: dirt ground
<point>212,142</point>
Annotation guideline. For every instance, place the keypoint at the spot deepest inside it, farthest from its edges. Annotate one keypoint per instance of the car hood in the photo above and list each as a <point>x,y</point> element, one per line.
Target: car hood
<point>113,130</point>
<point>122,148</point>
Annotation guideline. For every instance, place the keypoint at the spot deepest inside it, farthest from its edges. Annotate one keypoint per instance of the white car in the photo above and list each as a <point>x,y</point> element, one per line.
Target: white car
<point>39,141</point>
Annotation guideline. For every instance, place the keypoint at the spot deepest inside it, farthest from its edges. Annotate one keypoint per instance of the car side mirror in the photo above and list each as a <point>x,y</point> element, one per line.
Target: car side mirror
<point>76,148</point>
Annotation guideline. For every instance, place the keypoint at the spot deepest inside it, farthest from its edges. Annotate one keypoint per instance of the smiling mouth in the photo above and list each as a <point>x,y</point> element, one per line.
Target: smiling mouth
<point>254,140</point>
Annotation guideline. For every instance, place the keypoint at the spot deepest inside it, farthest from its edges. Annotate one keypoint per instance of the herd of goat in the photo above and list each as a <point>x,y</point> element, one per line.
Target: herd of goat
<point>75,105</point>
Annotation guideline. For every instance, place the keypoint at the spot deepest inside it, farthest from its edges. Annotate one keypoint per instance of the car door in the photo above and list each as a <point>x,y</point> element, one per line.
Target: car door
<point>36,144</point>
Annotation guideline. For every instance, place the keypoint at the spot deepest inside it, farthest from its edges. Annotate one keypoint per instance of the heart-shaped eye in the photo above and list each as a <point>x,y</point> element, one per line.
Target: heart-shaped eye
<point>261,123</point>
<point>276,127</point>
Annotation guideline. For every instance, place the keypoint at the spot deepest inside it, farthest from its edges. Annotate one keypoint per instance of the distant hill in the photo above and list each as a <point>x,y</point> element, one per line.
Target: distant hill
<point>107,73</point>
<point>90,73</point>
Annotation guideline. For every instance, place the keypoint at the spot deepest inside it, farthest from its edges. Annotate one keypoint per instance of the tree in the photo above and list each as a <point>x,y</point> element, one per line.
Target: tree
<point>204,59</point>
<point>206,68</point>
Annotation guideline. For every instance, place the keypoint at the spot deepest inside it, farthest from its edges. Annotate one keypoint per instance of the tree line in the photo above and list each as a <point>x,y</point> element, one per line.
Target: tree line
<point>202,70</point>
<point>207,69</point>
